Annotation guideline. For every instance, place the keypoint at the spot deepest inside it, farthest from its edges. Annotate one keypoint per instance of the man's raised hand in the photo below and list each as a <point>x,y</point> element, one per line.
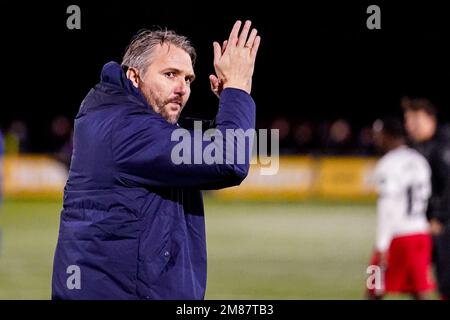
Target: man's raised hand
<point>234,62</point>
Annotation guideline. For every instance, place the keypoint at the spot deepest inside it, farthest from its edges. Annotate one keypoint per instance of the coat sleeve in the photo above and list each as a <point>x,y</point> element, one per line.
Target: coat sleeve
<point>147,149</point>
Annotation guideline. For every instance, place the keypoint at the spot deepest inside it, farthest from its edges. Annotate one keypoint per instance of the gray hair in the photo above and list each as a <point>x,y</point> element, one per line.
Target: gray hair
<point>139,51</point>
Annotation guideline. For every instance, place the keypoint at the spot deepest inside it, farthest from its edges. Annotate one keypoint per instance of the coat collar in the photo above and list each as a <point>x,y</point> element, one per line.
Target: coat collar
<point>113,75</point>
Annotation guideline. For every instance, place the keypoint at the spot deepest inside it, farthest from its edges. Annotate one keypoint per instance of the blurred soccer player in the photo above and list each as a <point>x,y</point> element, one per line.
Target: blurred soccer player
<point>433,142</point>
<point>403,243</point>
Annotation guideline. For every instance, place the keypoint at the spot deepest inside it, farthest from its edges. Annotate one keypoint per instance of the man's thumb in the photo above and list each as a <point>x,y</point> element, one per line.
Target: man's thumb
<point>214,81</point>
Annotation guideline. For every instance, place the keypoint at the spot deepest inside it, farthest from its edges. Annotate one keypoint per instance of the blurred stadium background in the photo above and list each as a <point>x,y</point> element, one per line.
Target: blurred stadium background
<point>256,251</point>
<point>305,233</point>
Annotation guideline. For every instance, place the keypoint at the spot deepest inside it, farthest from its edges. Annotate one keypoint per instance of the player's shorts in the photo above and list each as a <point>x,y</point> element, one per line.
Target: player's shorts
<point>408,265</point>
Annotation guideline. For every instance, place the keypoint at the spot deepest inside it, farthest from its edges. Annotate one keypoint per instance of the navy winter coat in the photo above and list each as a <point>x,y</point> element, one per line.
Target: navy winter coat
<point>132,224</point>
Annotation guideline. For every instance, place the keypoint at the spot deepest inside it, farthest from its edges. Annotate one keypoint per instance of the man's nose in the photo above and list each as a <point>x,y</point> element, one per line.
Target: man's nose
<point>181,88</point>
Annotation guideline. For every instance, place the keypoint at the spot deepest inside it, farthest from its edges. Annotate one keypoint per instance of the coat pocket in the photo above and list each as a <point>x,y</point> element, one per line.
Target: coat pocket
<point>155,249</point>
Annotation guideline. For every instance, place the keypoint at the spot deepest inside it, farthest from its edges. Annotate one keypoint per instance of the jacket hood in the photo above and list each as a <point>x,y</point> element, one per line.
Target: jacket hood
<point>114,89</point>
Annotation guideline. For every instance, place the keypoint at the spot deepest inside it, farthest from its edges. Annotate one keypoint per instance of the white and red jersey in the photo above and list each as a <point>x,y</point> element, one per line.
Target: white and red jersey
<point>403,181</point>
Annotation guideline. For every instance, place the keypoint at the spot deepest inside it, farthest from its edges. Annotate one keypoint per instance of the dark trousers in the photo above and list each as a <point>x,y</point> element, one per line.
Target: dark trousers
<point>441,258</point>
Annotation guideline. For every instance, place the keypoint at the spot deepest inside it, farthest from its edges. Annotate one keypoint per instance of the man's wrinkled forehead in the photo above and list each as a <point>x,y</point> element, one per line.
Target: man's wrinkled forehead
<point>171,56</point>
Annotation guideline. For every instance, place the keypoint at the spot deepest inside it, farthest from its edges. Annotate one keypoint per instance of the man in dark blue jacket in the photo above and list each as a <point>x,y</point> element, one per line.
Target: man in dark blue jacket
<point>433,141</point>
<point>132,224</point>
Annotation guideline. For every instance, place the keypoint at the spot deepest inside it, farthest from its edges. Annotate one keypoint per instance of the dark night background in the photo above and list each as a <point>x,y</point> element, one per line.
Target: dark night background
<point>316,61</point>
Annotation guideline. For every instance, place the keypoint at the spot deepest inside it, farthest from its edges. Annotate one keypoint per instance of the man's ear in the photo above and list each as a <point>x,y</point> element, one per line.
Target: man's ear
<point>133,75</point>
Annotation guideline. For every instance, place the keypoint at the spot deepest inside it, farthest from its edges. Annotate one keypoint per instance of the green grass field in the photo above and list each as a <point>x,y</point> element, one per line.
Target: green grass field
<point>255,250</point>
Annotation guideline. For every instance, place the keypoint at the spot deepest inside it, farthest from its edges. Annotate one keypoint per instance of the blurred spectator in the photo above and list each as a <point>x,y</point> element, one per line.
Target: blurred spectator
<point>1,185</point>
<point>16,138</point>
<point>1,171</point>
<point>61,139</point>
<point>303,137</point>
<point>322,134</point>
<point>284,127</point>
<point>296,136</point>
<point>365,143</point>
<point>1,144</point>
<point>339,137</point>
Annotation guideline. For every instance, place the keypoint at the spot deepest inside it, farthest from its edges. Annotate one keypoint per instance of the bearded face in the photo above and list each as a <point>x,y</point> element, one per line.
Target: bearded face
<point>166,82</point>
